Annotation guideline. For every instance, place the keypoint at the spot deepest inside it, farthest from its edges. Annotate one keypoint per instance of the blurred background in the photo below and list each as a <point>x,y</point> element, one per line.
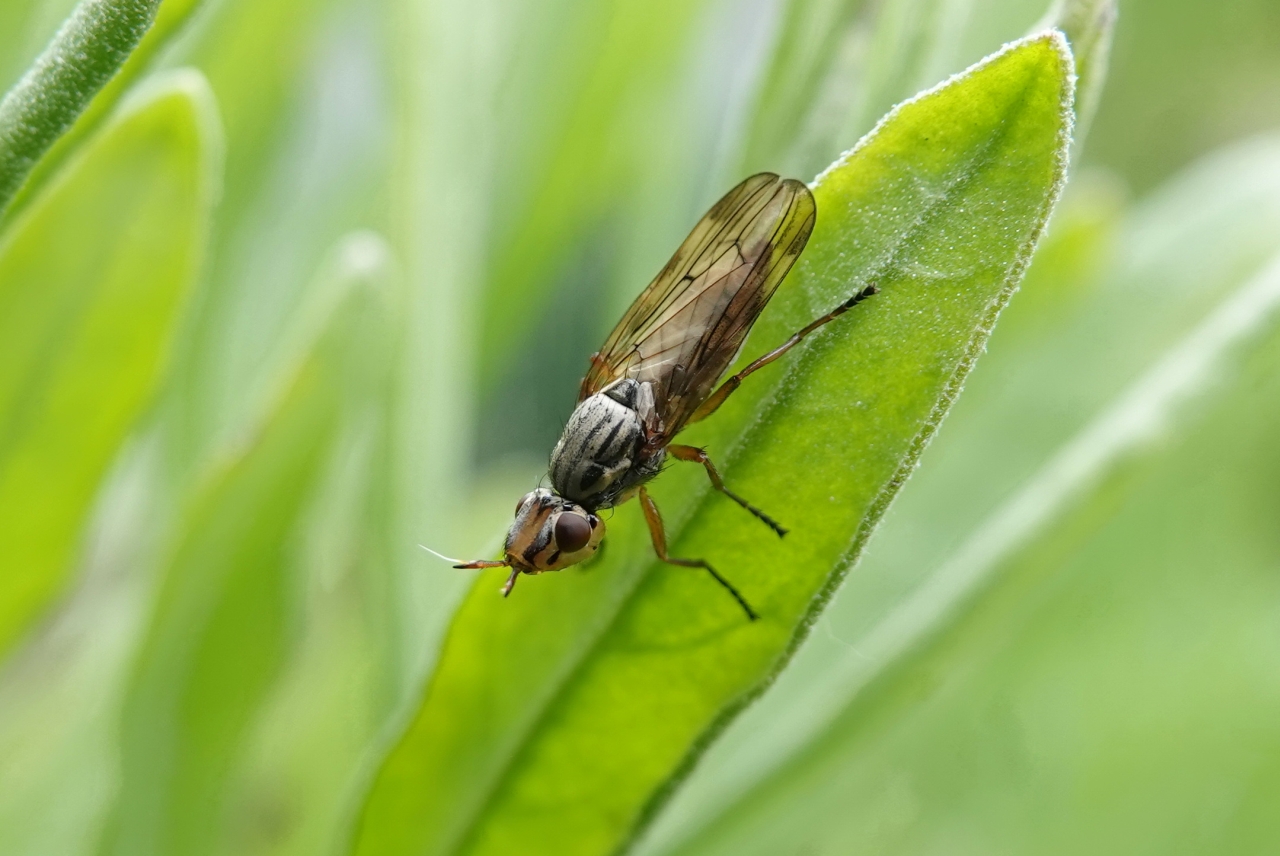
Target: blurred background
<point>374,244</point>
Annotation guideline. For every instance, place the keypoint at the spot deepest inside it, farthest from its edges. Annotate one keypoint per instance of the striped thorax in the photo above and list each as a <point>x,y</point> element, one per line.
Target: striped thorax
<point>602,455</point>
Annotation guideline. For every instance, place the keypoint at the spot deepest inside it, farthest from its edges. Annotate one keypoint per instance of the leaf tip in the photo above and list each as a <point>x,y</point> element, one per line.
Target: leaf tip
<point>183,100</point>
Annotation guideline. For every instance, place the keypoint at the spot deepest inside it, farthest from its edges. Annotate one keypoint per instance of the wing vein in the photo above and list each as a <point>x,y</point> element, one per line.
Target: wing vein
<point>686,328</point>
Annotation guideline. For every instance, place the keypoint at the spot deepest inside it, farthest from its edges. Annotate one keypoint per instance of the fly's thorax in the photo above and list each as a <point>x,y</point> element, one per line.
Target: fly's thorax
<point>551,533</point>
<point>599,445</point>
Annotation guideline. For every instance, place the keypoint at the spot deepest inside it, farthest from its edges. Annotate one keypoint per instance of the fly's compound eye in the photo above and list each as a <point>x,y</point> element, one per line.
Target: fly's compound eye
<point>572,533</point>
<point>519,505</point>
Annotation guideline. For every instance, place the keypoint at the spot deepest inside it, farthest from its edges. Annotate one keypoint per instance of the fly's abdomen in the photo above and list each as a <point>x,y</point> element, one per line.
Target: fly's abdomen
<point>596,451</point>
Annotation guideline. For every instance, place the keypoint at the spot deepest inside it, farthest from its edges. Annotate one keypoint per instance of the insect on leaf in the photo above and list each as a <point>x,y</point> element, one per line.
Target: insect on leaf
<point>560,720</point>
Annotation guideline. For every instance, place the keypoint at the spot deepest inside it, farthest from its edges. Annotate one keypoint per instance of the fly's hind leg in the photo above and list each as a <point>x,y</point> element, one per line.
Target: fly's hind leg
<point>694,455</point>
<point>659,535</point>
<point>727,388</point>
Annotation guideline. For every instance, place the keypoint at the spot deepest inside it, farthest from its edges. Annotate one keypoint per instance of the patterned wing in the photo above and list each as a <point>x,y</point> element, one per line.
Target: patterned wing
<point>687,327</point>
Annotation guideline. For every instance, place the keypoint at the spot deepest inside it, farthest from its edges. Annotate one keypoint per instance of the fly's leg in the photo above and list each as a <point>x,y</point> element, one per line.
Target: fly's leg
<point>694,455</point>
<point>481,563</point>
<point>659,535</point>
<point>726,389</point>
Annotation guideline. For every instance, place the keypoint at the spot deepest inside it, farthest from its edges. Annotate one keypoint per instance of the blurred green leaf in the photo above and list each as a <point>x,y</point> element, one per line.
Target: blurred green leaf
<point>576,112</point>
<point>558,721</point>
<point>169,20</point>
<point>284,203</point>
<point>838,65</point>
<point>1113,688</point>
<point>87,51</point>
<point>1184,83</point>
<point>222,622</point>
<point>25,28</point>
<point>290,789</point>
<point>812,78</point>
<point>1089,26</point>
<point>91,282</point>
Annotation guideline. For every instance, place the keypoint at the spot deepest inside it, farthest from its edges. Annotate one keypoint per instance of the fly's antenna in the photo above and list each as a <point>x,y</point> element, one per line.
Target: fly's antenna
<point>454,562</point>
<point>458,563</point>
<point>480,563</point>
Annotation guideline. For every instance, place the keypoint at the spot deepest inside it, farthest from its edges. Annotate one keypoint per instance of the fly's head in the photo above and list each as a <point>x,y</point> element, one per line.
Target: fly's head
<point>551,533</point>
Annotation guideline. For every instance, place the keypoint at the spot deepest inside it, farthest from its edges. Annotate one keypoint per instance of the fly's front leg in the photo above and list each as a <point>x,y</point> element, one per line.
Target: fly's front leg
<point>659,535</point>
<point>481,563</point>
<point>726,389</point>
<point>694,455</point>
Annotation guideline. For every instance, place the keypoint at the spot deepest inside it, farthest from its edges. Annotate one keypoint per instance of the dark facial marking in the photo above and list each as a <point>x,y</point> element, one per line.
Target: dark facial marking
<point>539,544</point>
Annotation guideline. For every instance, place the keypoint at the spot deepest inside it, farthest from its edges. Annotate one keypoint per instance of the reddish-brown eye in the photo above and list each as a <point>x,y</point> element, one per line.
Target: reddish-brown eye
<point>572,533</point>
<point>519,505</point>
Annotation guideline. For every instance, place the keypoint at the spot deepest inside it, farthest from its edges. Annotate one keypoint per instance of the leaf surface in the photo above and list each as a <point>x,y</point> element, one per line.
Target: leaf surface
<point>559,720</point>
<point>1109,292</point>
<point>91,282</point>
<point>221,627</point>
<point>1112,688</point>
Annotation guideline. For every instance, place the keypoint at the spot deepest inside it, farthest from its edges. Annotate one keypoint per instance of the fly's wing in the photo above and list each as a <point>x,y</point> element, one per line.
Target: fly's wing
<point>686,328</point>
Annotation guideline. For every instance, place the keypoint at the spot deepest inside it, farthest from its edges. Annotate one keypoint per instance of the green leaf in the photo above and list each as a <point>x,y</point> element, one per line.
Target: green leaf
<point>578,143</point>
<point>559,720</point>
<point>170,20</point>
<point>794,105</point>
<point>91,281</point>
<point>221,627</point>
<point>838,65</point>
<point>1114,687</point>
<point>89,48</point>
<point>1089,26</point>
<point>1105,297</point>
<point>25,28</point>
<point>1183,83</point>
<point>277,225</point>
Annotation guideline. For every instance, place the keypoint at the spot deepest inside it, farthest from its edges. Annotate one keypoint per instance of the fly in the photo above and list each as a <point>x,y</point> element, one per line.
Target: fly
<point>658,373</point>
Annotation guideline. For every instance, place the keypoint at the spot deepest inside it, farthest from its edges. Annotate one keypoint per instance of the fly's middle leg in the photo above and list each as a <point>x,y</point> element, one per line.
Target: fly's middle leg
<point>694,455</point>
<point>717,398</point>
<point>659,536</point>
